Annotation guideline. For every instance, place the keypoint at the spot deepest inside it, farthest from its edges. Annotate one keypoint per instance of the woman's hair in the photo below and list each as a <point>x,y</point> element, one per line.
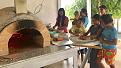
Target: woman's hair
<point>96,16</point>
<point>59,17</point>
<point>107,19</point>
<point>61,9</point>
<point>103,6</point>
<point>83,10</point>
<point>76,13</point>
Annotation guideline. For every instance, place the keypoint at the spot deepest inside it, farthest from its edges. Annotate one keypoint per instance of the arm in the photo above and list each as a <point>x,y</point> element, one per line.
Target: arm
<point>96,36</point>
<point>113,42</point>
<point>55,25</point>
<point>87,32</point>
<point>66,21</point>
<point>113,36</point>
<point>84,36</point>
<point>83,30</point>
<point>72,30</point>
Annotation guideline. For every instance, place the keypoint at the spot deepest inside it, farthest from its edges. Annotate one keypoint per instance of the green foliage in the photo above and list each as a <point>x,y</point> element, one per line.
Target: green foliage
<point>112,5</point>
<point>77,5</point>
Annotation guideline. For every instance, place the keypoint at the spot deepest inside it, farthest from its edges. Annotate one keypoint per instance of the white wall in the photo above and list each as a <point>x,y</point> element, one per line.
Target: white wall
<point>89,13</point>
<point>6,3</point>
<point>47,13</point>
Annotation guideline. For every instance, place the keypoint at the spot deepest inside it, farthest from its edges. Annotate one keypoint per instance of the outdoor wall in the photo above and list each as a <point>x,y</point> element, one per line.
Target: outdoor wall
<point>47,13</point>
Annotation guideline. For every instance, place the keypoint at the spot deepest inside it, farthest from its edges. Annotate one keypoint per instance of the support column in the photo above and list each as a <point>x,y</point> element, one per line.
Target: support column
<point>89,12</point>
<point>58,4</point>
<point>21,6</point>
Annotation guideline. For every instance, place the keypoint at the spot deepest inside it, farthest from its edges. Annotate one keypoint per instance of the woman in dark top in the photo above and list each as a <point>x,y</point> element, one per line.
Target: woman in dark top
<point>61,21</point>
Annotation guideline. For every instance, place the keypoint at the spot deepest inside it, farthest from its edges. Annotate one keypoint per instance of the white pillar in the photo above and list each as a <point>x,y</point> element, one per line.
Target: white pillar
<point>21,6</point>
<point>89,12</point>
<point>59,4</point>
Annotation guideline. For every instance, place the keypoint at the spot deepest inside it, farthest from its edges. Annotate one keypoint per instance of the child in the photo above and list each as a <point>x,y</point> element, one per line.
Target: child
<point>61,21</point>
<point>78,28</point>
<point>108,40</point>
<point>94,32</point>
<point>83,14</point>
<point>76,14</point>
<point>102,10</point>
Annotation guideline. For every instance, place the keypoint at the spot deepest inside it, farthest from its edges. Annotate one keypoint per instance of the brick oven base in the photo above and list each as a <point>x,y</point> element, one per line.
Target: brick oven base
<point>39,57</point>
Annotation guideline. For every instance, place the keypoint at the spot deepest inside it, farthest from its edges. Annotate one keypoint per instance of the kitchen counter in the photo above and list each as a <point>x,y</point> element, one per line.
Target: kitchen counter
<point>37,57</point>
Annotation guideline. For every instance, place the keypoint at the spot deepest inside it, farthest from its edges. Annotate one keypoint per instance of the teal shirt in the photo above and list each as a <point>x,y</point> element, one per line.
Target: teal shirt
<point>109,34</point>
<point>86,21</point>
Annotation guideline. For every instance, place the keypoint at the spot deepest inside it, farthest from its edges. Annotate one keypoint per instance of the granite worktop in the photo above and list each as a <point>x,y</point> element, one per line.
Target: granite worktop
<point>29,53</point>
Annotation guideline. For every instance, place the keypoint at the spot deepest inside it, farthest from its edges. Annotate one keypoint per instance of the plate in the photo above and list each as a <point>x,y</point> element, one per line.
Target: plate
<point>76,39</point>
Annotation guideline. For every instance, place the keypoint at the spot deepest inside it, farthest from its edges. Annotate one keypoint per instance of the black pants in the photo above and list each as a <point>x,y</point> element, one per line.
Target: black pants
<point>93,58</point>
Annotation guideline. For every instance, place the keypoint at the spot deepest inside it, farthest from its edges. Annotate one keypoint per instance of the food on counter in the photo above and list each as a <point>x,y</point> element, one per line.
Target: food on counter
<point>58,39</point>
<point>84,37</point>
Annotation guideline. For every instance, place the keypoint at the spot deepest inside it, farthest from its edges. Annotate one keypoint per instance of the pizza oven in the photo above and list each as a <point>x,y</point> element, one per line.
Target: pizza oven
<point>21,31</point>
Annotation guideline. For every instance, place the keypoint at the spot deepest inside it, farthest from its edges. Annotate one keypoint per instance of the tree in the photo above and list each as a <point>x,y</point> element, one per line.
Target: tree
<point>77,5</point>
<point>112,5</point>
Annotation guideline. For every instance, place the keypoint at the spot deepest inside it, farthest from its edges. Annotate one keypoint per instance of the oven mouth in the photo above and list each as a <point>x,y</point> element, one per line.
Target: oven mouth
<point>25,39</point>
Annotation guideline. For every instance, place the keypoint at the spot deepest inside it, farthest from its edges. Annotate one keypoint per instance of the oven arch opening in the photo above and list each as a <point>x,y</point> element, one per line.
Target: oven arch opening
<point>25,39</point>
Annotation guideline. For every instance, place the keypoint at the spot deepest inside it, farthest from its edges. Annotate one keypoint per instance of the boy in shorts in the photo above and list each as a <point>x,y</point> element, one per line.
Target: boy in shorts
<point>108,40</point>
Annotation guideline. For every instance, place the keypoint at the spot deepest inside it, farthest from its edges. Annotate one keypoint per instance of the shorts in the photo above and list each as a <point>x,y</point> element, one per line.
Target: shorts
<point>108,55</point>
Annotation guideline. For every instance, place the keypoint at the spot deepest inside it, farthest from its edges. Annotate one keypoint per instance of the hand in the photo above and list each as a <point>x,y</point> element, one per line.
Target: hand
<point>76,34</point>
<point>54,27</point>
<point>83,37</point>
<point>59,31</point>
<point>60,28</point>
<point>100,39</point>
<point>92,37</point>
